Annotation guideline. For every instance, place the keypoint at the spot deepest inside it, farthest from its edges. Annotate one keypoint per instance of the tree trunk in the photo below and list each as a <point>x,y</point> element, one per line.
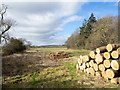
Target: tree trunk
<point>101,49</point>
<point>101,67</point>
<point>107,55</point>
<point>111,47</point>
<point>106,63</point>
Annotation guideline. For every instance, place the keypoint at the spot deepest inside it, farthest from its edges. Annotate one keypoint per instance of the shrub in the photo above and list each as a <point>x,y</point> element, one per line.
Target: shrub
<point>14,46</point>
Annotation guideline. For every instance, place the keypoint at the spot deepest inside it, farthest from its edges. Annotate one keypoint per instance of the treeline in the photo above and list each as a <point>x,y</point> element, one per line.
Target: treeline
<point>94,33</point>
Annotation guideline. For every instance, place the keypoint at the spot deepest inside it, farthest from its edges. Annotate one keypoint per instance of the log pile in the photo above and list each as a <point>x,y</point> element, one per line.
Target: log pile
<point>102,62</point>
<point>58,55</point>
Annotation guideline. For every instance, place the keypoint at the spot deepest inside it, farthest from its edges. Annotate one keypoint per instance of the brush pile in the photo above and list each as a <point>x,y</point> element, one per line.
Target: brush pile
<point>102,62</point>
<point>58,55</point>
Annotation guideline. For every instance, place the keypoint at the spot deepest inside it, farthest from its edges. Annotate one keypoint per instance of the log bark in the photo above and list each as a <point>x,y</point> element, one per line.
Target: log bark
<point>101,67</point>
<point>115,64</point>
<point>99,58</point>
<point>115,54</point>
<point>111,47</point>
<point>107,55</point>
<point>92,54</point>
<point>118,50</point>
<point>95,66</point>
<point>98,74</point>
<point>106,63</point>
<point>101,49</point>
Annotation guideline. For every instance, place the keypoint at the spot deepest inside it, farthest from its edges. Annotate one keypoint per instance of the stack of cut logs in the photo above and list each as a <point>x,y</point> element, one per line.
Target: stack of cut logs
<point>102,62</point>
<point>58,55</point>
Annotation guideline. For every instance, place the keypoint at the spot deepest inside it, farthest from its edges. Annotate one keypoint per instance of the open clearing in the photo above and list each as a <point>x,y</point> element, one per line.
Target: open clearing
<point>34,69</point>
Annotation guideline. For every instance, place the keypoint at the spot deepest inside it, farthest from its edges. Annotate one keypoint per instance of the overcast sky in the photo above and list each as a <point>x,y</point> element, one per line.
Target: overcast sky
<point>51,23</point>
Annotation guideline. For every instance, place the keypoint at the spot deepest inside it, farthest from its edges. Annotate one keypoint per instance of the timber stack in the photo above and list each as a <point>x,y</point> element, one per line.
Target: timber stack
<point>58,55</point>
<point>102,62</point>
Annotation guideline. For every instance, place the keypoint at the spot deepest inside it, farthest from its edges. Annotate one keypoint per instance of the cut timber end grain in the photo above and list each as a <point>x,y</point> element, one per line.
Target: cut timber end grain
<point>80,67</point>
<point>98,58</point>
<point>92,71</point>
<point>81,56</point>
<point>107,55</point>
<point>85,58</point>
<point>110,74</point>
<point>106,63</point>
<point>87,70</point>
<point>101,67</point>
<point>114,80</point>
<point>77,66</point>
<point>98,74</point>
<point>91,63</point>
<point>111,47</point>
<point>114,54</point>
<point>79,61</point>
<point>92,54</point>
<point>84,70</point>
<point>84,66</point>
<point>95,66</point>
<point>104,75</point>
<point>88,65</point>
<point>115,64</point>
<point>101,49</point>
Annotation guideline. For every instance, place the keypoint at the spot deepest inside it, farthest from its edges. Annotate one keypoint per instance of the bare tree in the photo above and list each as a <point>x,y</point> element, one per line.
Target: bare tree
<point>5,24</point>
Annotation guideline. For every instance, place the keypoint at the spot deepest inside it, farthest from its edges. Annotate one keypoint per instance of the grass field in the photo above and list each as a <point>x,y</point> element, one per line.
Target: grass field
<point>41,72</point>
<point>71,52</point>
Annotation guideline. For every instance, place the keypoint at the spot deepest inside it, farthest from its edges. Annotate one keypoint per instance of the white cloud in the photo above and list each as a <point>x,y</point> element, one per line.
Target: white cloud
<point>39,22</point>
